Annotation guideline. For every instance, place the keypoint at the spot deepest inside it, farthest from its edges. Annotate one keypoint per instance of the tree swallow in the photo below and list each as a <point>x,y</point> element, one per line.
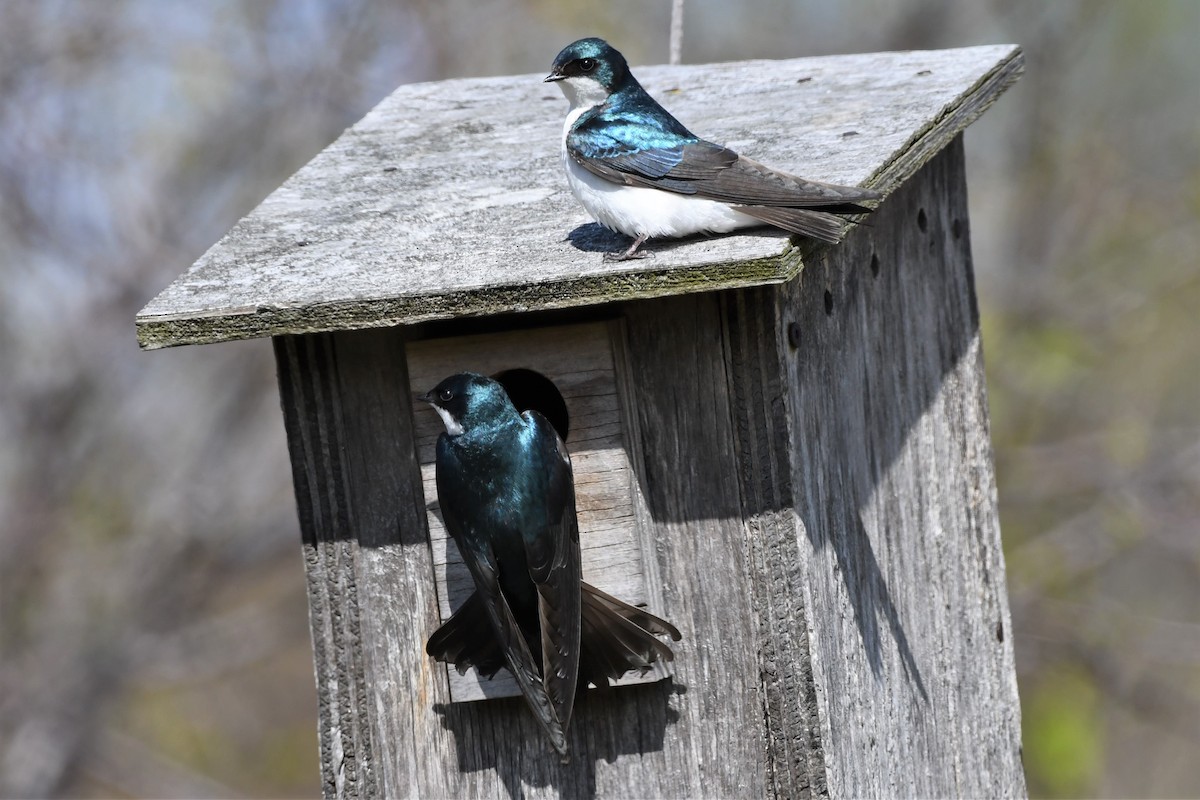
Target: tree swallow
<point>637,170</point>
<point>507,495</point>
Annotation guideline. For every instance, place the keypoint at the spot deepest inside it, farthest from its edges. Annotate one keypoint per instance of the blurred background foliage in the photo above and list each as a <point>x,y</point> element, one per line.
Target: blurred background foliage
<point>153,630</point>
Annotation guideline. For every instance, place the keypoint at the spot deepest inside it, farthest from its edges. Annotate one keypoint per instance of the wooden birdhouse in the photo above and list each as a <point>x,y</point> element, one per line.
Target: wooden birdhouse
<point>779,446</point>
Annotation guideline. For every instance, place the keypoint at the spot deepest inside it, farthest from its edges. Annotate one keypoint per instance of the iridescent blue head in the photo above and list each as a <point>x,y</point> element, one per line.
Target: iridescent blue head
<point>467,401</point>
<point>588,71</point>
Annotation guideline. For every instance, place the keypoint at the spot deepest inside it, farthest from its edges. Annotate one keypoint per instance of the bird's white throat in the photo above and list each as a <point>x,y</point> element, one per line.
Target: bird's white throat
<point>582,93</point>
<point>453,426</point>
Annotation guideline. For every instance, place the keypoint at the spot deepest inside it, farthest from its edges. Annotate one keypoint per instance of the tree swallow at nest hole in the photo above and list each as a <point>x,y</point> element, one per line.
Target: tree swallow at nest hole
<point>637,170</point>
<point>507,495</point>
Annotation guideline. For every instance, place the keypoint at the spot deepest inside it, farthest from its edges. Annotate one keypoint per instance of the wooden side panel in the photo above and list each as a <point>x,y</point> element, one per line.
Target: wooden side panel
<point>310,393</point>
<point>687,471</point>
<point>813,465</point>
<point>895,497</point>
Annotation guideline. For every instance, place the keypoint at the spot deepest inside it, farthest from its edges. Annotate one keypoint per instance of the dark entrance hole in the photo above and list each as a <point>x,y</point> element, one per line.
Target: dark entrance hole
<point>533,390</point>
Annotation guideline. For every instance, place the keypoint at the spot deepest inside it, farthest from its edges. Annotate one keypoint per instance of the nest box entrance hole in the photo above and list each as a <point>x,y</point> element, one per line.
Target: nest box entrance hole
<point>531,390</point>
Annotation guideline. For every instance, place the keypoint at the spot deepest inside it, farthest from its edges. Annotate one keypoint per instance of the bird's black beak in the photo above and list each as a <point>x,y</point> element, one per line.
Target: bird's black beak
<point>424,398</point>
<point>553,76</point>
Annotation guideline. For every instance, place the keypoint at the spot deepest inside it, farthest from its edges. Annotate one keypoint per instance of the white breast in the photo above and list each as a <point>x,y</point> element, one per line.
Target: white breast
<point>637,211</point>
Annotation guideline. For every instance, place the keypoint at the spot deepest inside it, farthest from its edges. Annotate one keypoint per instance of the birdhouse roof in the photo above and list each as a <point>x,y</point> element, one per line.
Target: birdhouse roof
<point>449,198</point>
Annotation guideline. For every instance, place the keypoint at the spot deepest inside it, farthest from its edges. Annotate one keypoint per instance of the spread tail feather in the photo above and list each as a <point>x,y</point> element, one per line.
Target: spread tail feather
<point>467,640</point>
<point>617,638</point>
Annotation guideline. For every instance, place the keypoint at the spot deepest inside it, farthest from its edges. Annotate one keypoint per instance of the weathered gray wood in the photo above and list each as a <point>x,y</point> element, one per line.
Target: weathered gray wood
<point>448,199</point>
<point>387,726</point>
<point>315,419</point>
<point>796,474</point>
<point>794,743</point>
<point>679,389</point>
<point>812,460</point>
<point>899,572</point>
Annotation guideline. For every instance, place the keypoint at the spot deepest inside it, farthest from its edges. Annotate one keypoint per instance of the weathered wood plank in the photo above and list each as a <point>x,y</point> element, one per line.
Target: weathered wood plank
<point>313,417</point>
<point>812,462</point>
<point>387,726</point>
<point>794,744</point>
<point>875,571</point>
<point>448,199</point>
<point>678,388</point>
<point>900,566</point>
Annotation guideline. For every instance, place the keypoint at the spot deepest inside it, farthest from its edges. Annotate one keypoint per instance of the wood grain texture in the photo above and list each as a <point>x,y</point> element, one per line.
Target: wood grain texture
<point>687,469</point>
<point>900,563</point>
<point>798,476</point>
<point>447,200</point>
<point>795,747</point>
<point>387,726</point>
<point>310,395</point>
<point>813,466</point>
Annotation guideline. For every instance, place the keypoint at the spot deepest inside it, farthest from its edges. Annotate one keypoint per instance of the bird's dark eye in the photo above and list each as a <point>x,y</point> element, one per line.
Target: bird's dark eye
<point>445,395</point>
<point>587,64</point>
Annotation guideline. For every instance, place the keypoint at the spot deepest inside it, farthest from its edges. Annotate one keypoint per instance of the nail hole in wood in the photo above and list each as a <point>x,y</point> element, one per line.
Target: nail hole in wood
<point>922,220</point>
<point>828,303</point>
<point>794,334</point>
<point>874,265</point>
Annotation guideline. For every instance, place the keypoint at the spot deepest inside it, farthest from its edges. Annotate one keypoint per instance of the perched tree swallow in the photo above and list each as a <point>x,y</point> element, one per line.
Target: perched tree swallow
<point>507,495</point>
<point>637,170</point>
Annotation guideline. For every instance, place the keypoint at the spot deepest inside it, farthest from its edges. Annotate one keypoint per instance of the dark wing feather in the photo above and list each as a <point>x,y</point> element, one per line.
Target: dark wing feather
<point>748,182</point>
<point>646,164</point>
<point>519,659</point>
<point>688,165</point>
<point>554,566</point>
<point>482,566</point>
<point>622,151</point>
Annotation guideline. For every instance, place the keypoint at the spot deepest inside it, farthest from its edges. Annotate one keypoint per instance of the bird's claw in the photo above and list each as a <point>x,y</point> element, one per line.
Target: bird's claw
<point>625,255</point>
<point>631,252</point>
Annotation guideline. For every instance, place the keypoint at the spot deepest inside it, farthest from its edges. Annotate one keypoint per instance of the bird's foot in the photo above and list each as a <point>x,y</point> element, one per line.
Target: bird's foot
<point>631,252</point>
<point>626,256</point>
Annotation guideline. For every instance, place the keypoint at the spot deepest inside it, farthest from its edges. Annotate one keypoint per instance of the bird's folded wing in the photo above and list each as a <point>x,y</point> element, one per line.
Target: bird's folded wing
<point>521,662</point>
<point>554,565</point>
<point>704,169</point>
<point>511,641</point>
